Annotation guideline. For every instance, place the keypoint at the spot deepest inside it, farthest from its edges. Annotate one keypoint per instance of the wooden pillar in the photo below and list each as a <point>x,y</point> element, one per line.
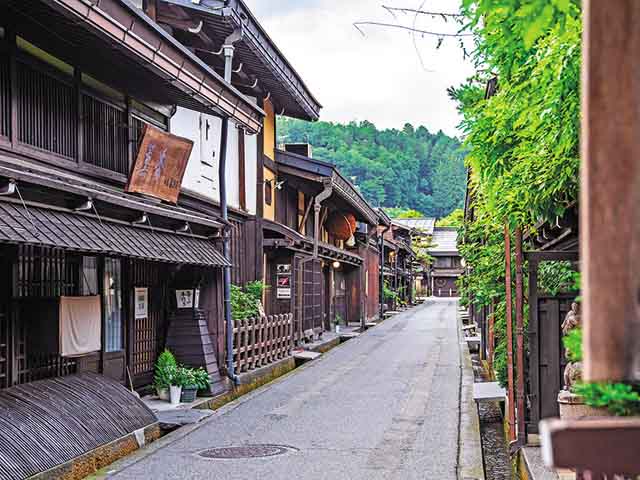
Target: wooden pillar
<point>151,9</point>
<point>509,323</point>
<point>492,338</point>
<point>520,336</point>
<point>610,192</point>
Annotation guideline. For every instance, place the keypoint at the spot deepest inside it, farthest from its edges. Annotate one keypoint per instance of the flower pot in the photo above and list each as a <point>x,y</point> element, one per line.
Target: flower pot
<point>337,328</point>
<point>572,406</point>
<point>163,393</point>
<point>189,394</point>
<point>174,393</point>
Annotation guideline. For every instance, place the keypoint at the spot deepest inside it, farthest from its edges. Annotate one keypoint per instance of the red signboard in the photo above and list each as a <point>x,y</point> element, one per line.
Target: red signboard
<point>160,165</point>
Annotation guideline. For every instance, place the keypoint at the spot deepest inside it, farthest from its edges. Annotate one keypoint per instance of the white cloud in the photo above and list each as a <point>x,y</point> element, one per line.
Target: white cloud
<point>378,77</point>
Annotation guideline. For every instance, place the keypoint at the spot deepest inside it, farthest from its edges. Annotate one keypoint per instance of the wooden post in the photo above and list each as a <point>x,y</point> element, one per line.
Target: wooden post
<point>610,193</point>
<point>509,323</point>
<point>492,338</point>
<point>520,337</point>
<point>151,9</point>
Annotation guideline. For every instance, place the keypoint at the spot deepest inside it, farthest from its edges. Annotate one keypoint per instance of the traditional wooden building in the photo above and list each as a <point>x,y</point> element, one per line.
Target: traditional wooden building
<point>101,250</point>
<point>321,259</point>
<point>421,232</point>
<point>72,123</point>
<point>446,266</point>
<point>398,264</point>
<point>228,38</point>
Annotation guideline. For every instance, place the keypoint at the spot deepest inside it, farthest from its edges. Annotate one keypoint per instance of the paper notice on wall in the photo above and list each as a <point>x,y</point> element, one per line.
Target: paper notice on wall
<point>141,302</point>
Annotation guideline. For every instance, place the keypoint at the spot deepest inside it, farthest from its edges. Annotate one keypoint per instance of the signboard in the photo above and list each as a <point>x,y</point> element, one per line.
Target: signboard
<point>283,287</point>
<point>283,293</point>
<point>160,165</point>
<point>284,269</point>
<point>141,302</point>
<point>188,298</point>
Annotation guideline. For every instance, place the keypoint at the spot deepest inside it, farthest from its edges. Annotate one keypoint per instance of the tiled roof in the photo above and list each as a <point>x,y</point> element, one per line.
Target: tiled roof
<point>425,224</point>
<point>444,240</point>
<point>85,233</point>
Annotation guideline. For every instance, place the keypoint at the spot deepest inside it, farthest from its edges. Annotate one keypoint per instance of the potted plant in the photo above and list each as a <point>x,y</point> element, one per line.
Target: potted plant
<point>175,386</point>
<point>337,321</point>
<point>164,369</point>
<point>189,384</point>
<point>203,380</point>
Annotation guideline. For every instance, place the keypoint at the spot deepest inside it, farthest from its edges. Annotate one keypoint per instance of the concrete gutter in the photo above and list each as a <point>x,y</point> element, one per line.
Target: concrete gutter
<point>470,461</point>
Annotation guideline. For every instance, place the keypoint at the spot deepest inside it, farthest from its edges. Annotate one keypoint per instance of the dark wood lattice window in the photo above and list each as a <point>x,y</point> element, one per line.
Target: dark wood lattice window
<point>46,112</point>
<point>105,135</point>
<point>148,331</point>
<point>45,273</point>
<point>5,96</point>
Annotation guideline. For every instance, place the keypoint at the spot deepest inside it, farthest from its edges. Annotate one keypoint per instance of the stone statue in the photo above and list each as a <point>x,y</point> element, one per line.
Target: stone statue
<point>573,370</point>
<point>572,319</point>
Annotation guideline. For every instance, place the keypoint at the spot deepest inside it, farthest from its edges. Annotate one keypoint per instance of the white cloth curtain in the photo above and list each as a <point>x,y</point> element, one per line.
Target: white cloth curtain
<point>80,325</point>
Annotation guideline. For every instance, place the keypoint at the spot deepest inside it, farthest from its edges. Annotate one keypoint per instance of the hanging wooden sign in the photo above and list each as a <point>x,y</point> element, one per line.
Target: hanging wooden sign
<point>160,165</point>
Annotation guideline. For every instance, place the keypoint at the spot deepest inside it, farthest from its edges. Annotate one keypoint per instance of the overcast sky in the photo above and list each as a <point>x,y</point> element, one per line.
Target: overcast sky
<point>378,77</point>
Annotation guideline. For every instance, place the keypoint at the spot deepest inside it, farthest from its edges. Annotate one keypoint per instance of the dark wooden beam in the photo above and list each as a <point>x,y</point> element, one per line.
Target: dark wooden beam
<point>151,9</point>
<point>600,445</point>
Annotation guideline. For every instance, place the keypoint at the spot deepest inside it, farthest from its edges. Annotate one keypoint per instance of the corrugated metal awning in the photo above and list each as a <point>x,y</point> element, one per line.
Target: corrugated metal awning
<point>90,234</point>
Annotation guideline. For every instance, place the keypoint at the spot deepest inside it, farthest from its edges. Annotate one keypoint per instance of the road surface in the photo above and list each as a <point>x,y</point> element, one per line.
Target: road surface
<point>385,405</point>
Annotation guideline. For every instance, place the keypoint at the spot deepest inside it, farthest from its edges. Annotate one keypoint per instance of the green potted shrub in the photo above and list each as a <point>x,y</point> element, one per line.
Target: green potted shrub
<point>188,382</point>
<point>164,371</point>
<point>203,380</point>
<point>178,379</point>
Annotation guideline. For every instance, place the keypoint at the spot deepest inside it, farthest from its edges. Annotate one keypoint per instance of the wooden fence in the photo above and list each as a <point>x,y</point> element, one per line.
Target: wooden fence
<point>261,341</point>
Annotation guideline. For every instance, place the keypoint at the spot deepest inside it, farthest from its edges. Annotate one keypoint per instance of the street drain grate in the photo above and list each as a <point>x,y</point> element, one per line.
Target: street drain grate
<point>246,451</point>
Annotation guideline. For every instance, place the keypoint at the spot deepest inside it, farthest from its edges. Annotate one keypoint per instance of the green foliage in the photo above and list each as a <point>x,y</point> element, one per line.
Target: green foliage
<point>184,377</point>
<point>245,301</point>
<point>454,219</point>
<point>201,379</point>
<point>619,398</point>
<point>555,277</point>
<point>411,168</point>
<point>572,342</point>
<point>388,294</point>
<point>397,212</point>
<point>522,142</point>
<point>165,369</point>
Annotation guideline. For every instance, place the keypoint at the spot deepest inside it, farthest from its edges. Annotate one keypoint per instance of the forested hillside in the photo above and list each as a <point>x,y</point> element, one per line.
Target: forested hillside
<point>408,168</point>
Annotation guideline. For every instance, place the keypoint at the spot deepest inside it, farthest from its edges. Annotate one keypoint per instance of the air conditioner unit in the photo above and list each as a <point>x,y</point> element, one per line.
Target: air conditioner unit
<point>303,149</point>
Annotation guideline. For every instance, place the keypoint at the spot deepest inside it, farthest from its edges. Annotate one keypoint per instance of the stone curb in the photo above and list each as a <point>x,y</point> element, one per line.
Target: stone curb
<point>470,461</point>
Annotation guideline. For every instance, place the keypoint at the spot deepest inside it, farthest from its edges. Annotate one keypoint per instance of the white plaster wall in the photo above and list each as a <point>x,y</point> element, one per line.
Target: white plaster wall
<point>251,171</point>
<point>201,175</point>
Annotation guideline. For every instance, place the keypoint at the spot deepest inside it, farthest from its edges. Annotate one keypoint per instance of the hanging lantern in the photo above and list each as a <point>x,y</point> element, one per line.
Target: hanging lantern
<point>341,225</point>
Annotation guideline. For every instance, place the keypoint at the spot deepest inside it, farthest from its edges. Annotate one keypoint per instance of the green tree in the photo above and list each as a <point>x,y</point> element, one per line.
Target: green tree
<point>408,168</point>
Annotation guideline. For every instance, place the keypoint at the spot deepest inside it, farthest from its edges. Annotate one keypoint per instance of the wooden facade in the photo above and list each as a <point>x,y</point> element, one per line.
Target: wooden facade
<point>69,133</point>
<point>338,284</point>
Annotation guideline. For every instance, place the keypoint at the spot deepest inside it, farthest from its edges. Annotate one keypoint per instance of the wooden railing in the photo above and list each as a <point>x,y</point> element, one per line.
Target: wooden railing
<point>261,341</point>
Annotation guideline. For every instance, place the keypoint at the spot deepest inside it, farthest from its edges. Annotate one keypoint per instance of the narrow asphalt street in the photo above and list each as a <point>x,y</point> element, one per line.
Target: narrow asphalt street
<point>386,405</point>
